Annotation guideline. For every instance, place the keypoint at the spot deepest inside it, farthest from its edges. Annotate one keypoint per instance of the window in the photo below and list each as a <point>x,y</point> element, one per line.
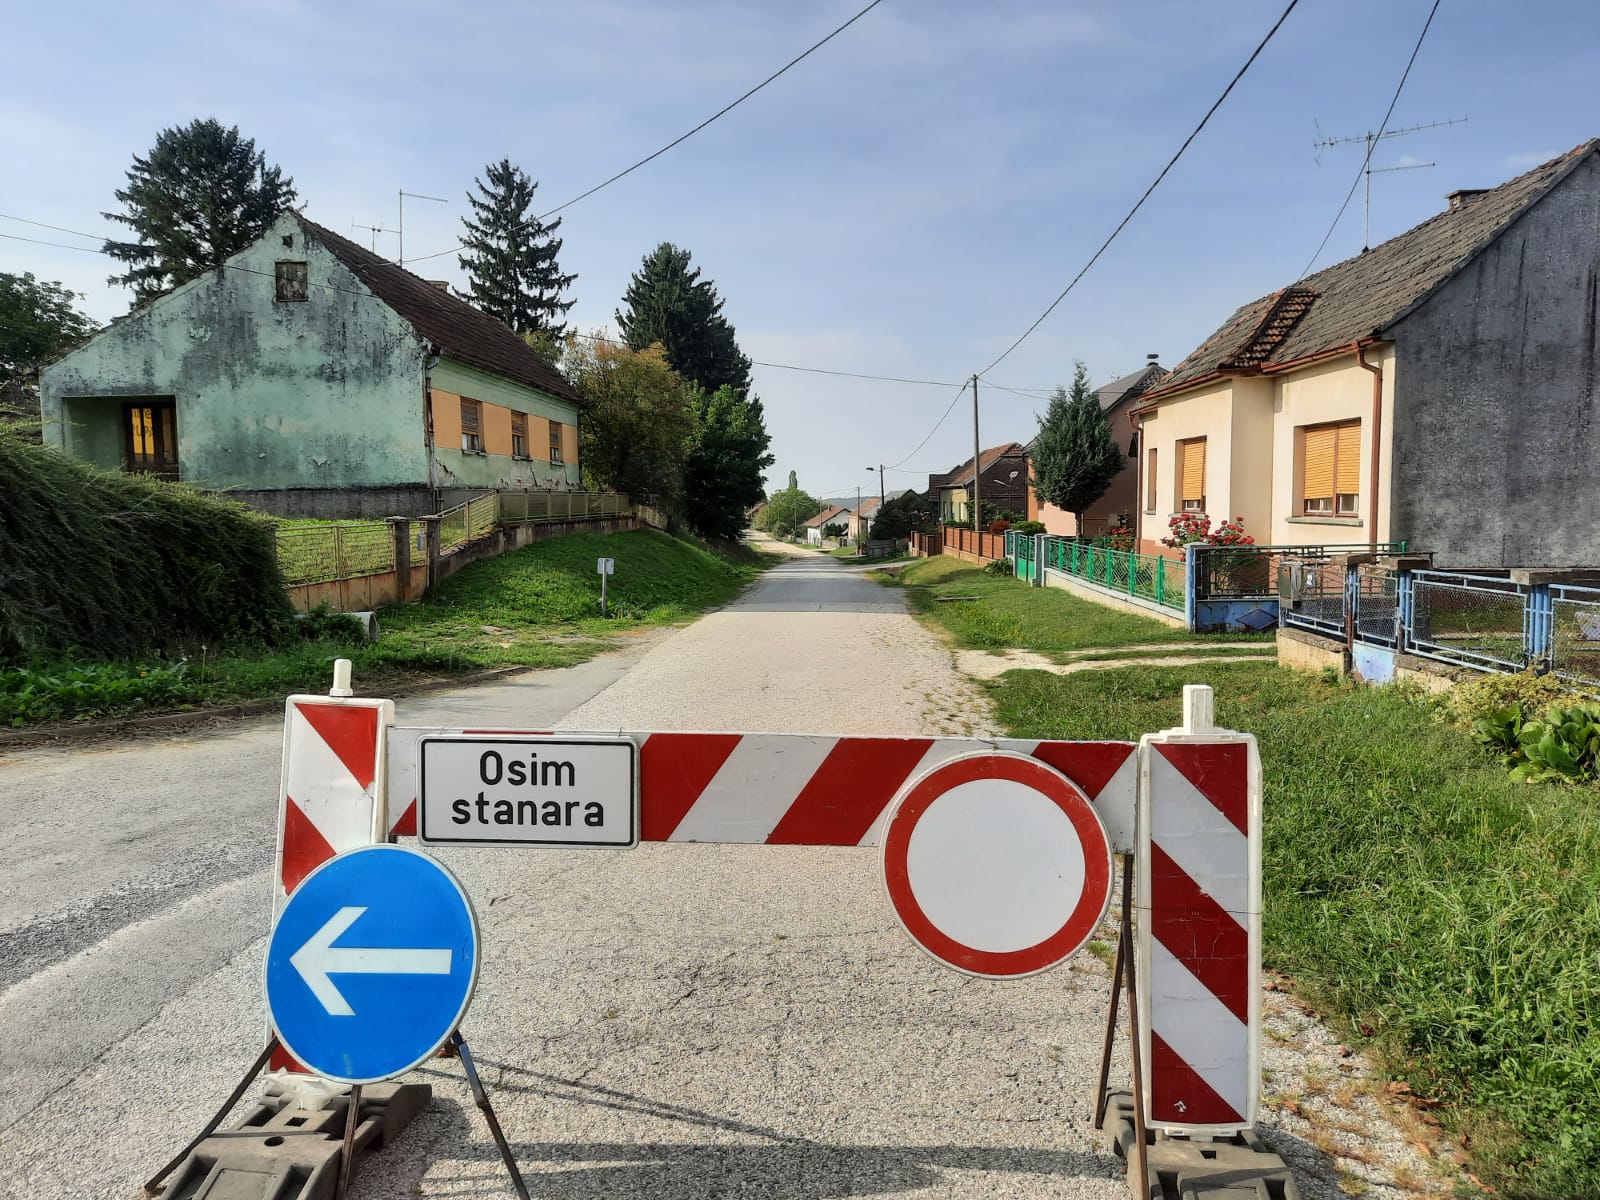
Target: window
<point>291,281</point>
<point>150,437</point>
<point>519,435</point>
<point>1191,475</point>
<point>1150,480</point>
<point>471,426</point>
<point>555,443</point>
<point>1330,470</point>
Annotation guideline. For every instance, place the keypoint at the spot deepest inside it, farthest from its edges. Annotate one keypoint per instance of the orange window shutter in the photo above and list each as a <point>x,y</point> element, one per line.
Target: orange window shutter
<point>1321,447</point>
<point>519,424</point>
<point>1150,482</point>
<point>1193,467</point>
<point>1347,459</point>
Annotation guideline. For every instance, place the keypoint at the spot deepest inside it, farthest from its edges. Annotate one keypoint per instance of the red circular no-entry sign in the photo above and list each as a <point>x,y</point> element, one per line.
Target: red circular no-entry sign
<point>996,864</point>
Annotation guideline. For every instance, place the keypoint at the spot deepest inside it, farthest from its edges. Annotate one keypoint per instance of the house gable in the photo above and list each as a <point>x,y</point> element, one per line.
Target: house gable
<point>324,392</point>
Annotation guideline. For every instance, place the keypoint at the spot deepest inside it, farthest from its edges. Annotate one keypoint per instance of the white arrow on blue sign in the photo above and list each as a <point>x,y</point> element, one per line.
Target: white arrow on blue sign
<point>371,964</point>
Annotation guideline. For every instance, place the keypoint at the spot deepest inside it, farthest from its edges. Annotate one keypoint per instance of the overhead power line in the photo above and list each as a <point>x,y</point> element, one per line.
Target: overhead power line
<point>1372,142</point>
<point>856,374</point>
<point>961,390</point>
<point>58,228</point>
<point>680,139</point>
<point>1147,192</point>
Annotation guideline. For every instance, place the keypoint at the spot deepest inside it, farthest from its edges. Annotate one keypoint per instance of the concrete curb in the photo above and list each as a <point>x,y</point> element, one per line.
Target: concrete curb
<point>157,723</point>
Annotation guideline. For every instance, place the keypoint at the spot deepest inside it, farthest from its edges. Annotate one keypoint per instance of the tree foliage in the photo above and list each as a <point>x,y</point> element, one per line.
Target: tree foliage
<point>788,511</point>
<point>202,194</point>
<point>1074,456</point>
<point>904,514</point>
<point>37,322</point>
<point>723,471</point>
<point>638,421</point>
<point>510,257</point>
<point>668,302</point>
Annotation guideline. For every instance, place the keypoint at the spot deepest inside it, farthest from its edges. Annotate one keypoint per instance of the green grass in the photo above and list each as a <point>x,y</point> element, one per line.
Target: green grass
<point>1225,650</point>
<point>1411,890</point>
<point>1010,614</point>
<point>535,607</point>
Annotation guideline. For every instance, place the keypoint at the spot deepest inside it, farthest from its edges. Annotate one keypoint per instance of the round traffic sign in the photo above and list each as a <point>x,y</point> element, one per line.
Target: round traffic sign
<point>996,864</point>
<point>371,964</point>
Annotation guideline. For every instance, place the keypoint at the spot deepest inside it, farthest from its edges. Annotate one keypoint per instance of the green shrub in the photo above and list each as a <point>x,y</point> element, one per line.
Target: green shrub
<point>30,694</point>
<point>998,566</point>
<point>1468,701</point>
<point>322,623</point>
<point>1028,527</point>
<point>109,565</point>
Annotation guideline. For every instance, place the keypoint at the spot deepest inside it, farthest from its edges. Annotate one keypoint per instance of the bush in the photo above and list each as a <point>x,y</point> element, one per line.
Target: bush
<point>322,623</point>
<point>1527,692</point>
<point>1562,747</point>
<point>998,566</point>
<point>113,565</point>
<point>1119,538</point>
<point>1028,527</point>
<point>999,526</point>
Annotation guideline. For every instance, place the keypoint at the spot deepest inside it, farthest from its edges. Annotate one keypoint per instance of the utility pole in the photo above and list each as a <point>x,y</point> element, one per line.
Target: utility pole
<point>858,515</point>
<point>977,464</point>
<point>1371,137</point>
<point>882,500</point>
<point>402,230</point>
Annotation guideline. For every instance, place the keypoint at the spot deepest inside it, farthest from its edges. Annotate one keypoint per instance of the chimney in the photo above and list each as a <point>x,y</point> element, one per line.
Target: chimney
<point>442,284</point>
<point>1458,198</point>
<point>1152,359</point>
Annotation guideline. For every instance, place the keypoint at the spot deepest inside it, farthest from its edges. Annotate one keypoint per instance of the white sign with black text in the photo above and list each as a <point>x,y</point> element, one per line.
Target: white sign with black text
<point>528,790</point>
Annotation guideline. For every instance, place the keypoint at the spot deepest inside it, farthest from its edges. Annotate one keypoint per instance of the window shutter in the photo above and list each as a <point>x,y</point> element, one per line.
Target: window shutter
<point>1150,483</point>
<point>519,424</point>
<point>469,416</point>
<point>1193,468</point>
<point>1347,459</point>
<point>1321,450</point>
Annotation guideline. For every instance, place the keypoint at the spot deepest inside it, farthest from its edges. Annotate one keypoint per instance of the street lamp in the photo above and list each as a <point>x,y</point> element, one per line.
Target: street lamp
<point>882,498</point>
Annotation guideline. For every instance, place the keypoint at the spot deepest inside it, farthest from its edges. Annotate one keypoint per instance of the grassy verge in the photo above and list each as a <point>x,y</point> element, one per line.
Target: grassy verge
<point>1008,613</point>
<point>1444,915</point>
<point>536,607</point>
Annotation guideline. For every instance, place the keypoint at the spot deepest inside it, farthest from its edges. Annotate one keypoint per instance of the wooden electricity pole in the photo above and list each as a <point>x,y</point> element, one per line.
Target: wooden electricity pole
<point>977,463</point>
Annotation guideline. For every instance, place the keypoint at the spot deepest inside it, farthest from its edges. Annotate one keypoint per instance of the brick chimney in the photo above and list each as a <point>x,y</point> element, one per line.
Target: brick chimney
<point>1458,198</point>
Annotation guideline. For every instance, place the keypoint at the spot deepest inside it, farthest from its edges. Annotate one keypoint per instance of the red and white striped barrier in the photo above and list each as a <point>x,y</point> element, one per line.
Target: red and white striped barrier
<point>795,789</point>
<point>1198,936</point>
<point>330,798</point>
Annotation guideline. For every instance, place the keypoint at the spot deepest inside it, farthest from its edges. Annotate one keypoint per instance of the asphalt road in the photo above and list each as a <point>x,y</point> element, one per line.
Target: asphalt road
<point>673,1022</point>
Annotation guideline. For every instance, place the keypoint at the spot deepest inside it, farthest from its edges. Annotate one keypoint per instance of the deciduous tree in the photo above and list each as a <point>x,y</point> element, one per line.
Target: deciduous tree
<point>37,322</point>
<point>202,194</point>
<point>638,420</point>
<point>1074,456</point>
<point>787,511</point>
<point>510,261</point>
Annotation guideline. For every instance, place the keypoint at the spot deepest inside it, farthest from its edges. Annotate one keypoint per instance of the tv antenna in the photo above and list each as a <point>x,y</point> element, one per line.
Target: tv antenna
<point>401,261</point>
<point>375,230</point>
<point>1371,138</point>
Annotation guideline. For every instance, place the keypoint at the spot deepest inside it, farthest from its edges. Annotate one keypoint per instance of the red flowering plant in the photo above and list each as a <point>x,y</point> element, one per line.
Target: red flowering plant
<point>1119,537</point>
<point>1234,571</point>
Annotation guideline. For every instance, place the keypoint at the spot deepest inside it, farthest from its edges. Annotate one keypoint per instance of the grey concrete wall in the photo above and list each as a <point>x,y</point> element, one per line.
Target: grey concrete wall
<point>338,504</point>
<point>1497,421</point>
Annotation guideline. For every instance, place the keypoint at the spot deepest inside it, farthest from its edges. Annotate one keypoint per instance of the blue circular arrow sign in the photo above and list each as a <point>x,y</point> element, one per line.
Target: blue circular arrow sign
<point>371,964</point>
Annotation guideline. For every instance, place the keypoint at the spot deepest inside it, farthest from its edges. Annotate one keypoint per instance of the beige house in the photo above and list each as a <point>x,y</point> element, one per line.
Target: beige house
<point>1430,390</point>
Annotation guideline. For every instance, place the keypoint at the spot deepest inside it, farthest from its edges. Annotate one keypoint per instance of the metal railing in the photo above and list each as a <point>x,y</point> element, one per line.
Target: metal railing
<point>1477,621</point>
<point>1251,572</point>
<point>1575,631</point>
<point>1319,602</point>
<point>1375,598</point>
<point>521,507</point>
<point>1146,576</point>
<point>336,550</point>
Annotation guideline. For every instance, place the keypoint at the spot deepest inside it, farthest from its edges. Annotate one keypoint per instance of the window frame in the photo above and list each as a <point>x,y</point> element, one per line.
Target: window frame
<point>556,459</point>
<point>1337,506</point>
<point>279,278</point>
<point>1180,504</point>
<point>519,434</point>
<point>1152,494</point>
<point>471,433</point>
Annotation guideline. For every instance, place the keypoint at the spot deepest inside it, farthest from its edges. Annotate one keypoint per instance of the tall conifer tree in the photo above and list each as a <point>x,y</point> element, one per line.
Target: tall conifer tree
<point>203,194</point>
<point>668,302</point>
<point>510,261</point>
<point>1075,457</point>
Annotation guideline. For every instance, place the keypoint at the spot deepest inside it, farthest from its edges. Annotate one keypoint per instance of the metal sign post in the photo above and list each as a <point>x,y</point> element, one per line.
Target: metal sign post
<point>605,568</point>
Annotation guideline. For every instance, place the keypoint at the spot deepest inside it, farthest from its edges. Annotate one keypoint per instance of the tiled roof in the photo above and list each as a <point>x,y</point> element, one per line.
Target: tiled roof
<point>1141,381</point>
<point>867,506</point>
<point>445,320</point>
<point>826,515</point>
<point>963,474</point>
<point>1362,296</point>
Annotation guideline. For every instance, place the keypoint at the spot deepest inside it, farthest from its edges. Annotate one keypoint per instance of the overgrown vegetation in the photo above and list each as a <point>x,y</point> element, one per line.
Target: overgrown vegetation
<point>1009,613</point>
<point>537,607</point>
<point>104,565</point>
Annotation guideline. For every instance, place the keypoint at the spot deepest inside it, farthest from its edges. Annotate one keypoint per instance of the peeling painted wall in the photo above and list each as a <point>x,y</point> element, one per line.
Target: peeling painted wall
<point>1497,433</point>
<point>325,393</point>
<point>449,381</point>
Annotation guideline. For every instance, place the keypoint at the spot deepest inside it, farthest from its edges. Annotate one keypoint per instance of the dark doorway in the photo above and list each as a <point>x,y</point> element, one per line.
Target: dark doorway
<point>150,437</point>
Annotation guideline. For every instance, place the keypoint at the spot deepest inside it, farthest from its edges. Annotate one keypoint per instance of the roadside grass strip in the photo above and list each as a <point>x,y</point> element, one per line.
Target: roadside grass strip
<point>535,607</point>
<point>1007,613</point>
<point>1444,916</point>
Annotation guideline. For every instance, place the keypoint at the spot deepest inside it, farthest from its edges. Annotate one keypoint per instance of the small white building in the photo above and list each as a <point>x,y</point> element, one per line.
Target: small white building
<point>832,515</point>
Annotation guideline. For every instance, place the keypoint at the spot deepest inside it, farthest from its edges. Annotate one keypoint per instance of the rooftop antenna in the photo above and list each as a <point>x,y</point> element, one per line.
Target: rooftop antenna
<point>375,230</point>
<point>402,230</point>
<point>1371,137</point>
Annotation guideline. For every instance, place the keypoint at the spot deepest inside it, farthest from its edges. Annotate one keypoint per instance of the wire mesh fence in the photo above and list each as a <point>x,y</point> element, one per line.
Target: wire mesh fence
<point>334,550</point>
<point>519,507</point>
<point>1474,620</point>
<point>1316,596</point>
<point>1575,632</point>
<point>1376,592</point>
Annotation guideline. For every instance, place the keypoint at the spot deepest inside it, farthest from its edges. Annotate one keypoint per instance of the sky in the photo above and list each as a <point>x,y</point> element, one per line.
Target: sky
<point>904,202</point>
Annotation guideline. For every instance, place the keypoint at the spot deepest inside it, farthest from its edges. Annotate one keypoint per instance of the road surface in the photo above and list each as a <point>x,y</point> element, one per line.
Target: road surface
<point>673,1022</point>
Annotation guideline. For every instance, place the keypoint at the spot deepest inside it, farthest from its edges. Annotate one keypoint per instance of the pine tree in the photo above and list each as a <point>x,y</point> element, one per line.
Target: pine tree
<point>203,194</point>
<point>668,302</point>
<point>722,472</point>
<point>1074,456</point>
<point>511,255</point>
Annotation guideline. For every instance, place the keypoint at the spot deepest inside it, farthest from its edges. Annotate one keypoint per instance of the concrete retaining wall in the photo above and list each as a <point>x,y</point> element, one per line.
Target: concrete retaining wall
<point>1132,604</point>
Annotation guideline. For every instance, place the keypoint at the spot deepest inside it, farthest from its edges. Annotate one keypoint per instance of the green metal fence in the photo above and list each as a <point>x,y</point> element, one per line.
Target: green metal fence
<point>1146,576</point>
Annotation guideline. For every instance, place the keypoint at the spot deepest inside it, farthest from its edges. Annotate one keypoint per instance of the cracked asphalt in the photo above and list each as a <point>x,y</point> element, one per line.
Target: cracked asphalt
<point>673,1022</point>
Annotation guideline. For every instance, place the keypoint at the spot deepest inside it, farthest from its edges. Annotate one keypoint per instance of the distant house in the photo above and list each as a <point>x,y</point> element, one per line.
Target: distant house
<point>832,515</point>
<point>753,513</point>
<point>1115,509</point>
<point>1440,389</point>
<point>309,377</point>
<point>1002,486</point>
<point>861,520</point>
